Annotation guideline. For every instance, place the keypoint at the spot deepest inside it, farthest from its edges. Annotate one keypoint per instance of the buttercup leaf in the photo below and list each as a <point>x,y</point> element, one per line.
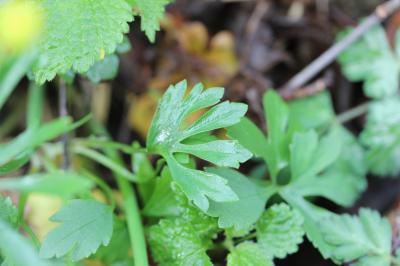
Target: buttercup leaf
<point>85,225</point>
<point>167,133</point>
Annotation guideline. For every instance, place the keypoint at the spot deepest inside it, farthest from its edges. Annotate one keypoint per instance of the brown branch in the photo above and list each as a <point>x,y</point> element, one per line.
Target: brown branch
<point>381,13</point>
<point>63,111</point>
<point>313,88</point>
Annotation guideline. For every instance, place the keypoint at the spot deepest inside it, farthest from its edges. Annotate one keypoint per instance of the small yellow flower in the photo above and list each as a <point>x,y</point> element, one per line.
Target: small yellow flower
<point>20,23</point>
<point>102,54</point>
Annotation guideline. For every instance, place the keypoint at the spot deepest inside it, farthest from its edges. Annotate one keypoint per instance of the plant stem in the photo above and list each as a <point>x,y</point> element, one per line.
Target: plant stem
<point>352,113</point>
<point>248,237</point>
<point>63,111</point>
<point>31,234</point>
<point>104,186</point>
<point>135,227</point>
<point>21,209</point>
<point>107,161</point>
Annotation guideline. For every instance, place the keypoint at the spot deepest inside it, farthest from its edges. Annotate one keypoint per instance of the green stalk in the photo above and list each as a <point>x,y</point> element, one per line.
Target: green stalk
<point>107,161</point>
<point>135,227</point>
<point>352,113</point>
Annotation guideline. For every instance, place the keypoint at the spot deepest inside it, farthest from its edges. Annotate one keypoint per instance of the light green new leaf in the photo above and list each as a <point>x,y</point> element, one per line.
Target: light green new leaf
<point>162,201</point>
<point>151,12</point>
<point>381,137</point>
<point>302,152</point>
<point>85,225</point>
<point>372,61</point>
<point>17,250</point>
<point>58,183</point>
<point>78,33</point>
<point>250,136</point>
<point>8,212</point>
<point>242,213</point>
<point>248,254</point>
<point>308,157</point>
<point>280,230</point>
<point>277,116</point>
<point>168,131</point>
<point>342,181</point>
<point>315,112</point>
<point>345,179</point>
<point>365,238</point>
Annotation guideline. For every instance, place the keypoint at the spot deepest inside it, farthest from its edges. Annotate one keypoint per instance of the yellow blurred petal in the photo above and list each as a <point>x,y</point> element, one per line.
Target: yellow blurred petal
<point>193,37</point>
<point>99,196</point>
<point>222,56</point>
<point>101,102</point>
<point>91,262</point>
<point>223,40</point>
<point>40,208</point>
<point>141,111</point>
<point>20,23</point>
<point>102,53</point>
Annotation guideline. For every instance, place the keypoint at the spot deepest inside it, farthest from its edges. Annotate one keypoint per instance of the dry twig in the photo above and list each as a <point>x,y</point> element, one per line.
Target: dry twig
<point>381,13</point>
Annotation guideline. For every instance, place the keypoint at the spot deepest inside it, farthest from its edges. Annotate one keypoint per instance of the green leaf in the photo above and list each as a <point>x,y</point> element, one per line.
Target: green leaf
<point>381,137</point>
<point>277,116</point>
<point>280,230</point>
<point>244,212</point>
<point>64,184</point>
<point>85,225</point>
<point>16,163</point>
<point>343,181</point>
<point>347,175</point>
<point>227,153</point>
<point>67,44</point>
<point>372,61</point>
<point>366,238</point>
<point>250,136</point>
<point>30,139</point>
<point>312,216</point>
<point>248,254</point>
<point>308,157</point>
<point>17,250</point>
<point>141,165</point>
<point>35,106</point>
<point>302,153</point>
<point>105,69</point>
<point>162,201</point>
<point>167,132</point>
<point>151,12</point>
<point>13,72</point>
<point>182,240</point>
<point>119,246</point>
<point>8,212</point>
<point>315,112</point>
<point>174,242</point>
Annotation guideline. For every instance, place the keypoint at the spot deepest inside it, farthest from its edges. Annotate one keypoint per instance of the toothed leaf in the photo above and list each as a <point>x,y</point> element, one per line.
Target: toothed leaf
<point>78,33</point>
<point>85,225</point>
<point>280,230</point>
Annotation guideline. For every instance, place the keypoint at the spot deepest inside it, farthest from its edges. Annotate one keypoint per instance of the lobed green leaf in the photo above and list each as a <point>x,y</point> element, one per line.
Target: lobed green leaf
<point>85,225</point>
